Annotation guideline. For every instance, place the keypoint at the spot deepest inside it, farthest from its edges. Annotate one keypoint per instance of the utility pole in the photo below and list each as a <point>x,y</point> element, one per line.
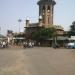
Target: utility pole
<point>19,20</point>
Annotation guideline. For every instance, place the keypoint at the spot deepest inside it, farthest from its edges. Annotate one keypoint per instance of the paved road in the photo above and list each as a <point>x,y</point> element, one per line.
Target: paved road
<point>37,61</point>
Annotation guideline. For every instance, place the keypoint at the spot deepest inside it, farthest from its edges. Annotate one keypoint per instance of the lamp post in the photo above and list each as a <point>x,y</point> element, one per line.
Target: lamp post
<point>19,20</point>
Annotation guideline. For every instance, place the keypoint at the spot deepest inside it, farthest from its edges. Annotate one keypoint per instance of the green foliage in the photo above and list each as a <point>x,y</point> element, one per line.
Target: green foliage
<point>72,29</point>
<point>43,33</point>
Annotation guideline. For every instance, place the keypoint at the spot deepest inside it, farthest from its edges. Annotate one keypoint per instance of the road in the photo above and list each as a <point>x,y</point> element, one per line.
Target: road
<point>37,61</point>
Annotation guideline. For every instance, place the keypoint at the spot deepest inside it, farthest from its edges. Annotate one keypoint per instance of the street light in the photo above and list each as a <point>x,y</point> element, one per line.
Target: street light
<point>19,20</point>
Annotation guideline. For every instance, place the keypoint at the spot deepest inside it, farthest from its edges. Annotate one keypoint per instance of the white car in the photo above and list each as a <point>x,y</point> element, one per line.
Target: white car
<point>71,45</point>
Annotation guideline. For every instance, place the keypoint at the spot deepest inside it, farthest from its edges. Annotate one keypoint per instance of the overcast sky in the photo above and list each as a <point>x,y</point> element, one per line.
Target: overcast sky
<point>12,10</point>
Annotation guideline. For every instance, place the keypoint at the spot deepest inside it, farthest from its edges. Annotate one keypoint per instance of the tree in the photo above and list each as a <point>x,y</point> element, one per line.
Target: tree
<point>43,33</point>
<point>72,29</point>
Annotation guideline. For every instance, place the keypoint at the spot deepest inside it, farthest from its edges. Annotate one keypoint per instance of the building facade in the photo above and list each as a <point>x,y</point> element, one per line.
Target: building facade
<point>46,14</point>
<point>46,10</point>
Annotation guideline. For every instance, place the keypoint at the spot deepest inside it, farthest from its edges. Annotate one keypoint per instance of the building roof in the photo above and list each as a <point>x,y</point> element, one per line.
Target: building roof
<point>33,24</point>
<point>51,1</point>
<point>46,0</point>
<point>62,38</point>
<point>2,36</point>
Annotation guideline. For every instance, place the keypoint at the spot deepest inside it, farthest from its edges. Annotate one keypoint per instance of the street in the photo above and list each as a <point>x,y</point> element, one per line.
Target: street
<point>37,61</point>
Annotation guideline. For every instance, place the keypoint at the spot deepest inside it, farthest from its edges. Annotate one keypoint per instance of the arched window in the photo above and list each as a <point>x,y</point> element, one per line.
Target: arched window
<point>48,8</point>
<point>43,8</point>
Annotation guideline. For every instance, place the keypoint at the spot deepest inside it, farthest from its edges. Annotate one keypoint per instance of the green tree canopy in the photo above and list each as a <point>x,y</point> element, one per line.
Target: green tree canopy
<point>72,29</point>
<point>43,33</point>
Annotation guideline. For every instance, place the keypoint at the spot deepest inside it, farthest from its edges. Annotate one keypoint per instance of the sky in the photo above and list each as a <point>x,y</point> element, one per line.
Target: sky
<point>13,10</point>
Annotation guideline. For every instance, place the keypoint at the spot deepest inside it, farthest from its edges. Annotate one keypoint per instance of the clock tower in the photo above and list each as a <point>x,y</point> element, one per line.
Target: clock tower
<point>46,11</point>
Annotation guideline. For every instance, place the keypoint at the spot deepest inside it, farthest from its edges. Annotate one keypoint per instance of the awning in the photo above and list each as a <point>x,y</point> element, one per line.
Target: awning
<point>19,38</point>
<point>62,38</point>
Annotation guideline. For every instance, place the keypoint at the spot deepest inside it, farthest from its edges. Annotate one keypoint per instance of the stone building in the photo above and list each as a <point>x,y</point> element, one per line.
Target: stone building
<point>46,14</point>
<point>46,10</point>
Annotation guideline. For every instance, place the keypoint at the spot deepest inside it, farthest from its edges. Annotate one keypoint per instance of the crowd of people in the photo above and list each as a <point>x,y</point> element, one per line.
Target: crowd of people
<point>28,44</point>
<point>25,44</point>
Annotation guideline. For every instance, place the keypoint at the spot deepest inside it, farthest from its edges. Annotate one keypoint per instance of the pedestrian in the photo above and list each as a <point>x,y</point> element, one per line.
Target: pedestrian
<point>30,44</point>
<point>3,44</point>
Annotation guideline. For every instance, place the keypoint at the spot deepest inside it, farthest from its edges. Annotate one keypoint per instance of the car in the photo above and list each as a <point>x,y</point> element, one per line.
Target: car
<point>70,45</point>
